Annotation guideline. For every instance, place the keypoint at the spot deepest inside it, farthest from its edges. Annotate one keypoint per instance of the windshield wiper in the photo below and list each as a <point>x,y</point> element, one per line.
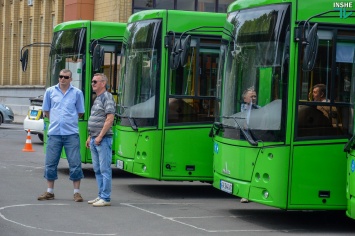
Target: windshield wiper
<point>246,134</point>
<point>132,121</point>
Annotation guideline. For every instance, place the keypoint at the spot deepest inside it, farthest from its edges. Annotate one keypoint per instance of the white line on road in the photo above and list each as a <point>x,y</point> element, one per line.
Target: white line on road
<point>174,219</point>
<point>38,228</point>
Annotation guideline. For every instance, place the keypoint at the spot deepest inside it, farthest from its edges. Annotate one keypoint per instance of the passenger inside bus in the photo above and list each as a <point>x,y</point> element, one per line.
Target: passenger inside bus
<point>320,120</point>
<point>319,92</point>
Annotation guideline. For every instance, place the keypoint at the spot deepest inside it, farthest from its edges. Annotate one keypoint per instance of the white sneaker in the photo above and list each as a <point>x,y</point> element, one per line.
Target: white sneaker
<point>93,201</point>
<point>244,200</point>
<point>101,203</point>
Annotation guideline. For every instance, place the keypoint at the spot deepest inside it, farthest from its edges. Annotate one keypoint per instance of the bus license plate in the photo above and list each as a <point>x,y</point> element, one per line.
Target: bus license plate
<point>119,164</point>
<point>34,113</point>
<point>226,186</point>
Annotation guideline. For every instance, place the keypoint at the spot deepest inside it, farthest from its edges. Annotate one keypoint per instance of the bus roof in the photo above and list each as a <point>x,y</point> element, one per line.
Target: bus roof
<point>180,21</point>
<point>305,9</point>
<point>99,28</point>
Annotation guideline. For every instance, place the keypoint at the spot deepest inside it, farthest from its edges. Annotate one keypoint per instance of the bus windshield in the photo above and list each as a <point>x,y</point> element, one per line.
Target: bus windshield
<point>140,70</point>
<point>255,73</point>
<point>67,51</point>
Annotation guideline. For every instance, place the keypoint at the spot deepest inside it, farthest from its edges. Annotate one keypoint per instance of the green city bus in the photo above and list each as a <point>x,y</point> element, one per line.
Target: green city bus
<point>85,47</point>
<point>167,94</point>
<point>286,150</point>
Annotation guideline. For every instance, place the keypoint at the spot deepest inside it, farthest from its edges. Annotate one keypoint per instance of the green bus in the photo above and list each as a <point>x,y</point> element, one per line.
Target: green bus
<point>285,147</point>
<point>85,47</point>
<point>167,94</point>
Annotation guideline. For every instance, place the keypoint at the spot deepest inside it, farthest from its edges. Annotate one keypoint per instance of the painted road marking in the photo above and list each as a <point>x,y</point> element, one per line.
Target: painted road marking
<point>38,228</point>
<point>176,219</point>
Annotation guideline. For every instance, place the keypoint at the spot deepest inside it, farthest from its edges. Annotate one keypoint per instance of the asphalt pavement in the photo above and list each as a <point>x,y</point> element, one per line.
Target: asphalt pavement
<point>140,206</point>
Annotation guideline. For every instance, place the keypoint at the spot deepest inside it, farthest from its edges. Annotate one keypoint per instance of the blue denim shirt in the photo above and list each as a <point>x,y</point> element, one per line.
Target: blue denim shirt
<point>64,109</point>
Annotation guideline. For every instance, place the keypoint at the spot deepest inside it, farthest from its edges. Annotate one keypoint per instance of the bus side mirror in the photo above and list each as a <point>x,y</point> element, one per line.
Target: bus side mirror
<point>311,49</point>
<point>24,60</point>
<point>102,57</point>
<point>185,48</point>
<point>175,55</point>
<point>97,58</point>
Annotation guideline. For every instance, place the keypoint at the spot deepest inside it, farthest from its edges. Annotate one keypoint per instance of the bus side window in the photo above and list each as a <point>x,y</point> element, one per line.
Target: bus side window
<point>327,90</point>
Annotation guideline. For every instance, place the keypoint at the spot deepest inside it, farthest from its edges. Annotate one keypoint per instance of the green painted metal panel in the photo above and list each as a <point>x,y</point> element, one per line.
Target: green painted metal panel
<point>188,153</point>
<point>318,176</point>
<point>140,151</point>
<point>255,173</point>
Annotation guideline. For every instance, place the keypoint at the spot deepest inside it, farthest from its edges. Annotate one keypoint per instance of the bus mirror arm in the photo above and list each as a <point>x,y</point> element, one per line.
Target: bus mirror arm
<point>24,53</point>
<point>350,144</point>
<point>107,37</point>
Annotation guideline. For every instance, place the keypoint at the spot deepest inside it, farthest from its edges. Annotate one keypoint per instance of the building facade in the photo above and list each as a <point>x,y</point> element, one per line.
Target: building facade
<point>30,22</point>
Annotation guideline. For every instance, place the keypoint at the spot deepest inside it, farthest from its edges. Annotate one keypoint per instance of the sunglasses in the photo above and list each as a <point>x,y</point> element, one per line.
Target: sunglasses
<point>64,76</point>
<point>95,81</point>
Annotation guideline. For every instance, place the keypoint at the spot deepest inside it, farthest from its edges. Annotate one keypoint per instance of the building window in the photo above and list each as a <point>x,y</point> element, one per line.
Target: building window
<point>187,5</point>
<point>223,5</point>
<point>143,3</point>
<point>164,4</point>
<point>206,5</point>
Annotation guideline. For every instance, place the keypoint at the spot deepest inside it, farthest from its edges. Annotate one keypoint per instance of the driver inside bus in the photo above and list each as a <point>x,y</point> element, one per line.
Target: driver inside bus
<point>249,100</point>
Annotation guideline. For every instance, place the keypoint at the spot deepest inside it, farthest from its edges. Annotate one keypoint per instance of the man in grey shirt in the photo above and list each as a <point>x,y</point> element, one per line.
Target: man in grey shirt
<point>100,139</point>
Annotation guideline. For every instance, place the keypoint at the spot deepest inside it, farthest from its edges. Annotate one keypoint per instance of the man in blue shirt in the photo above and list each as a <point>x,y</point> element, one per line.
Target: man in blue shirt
<point>63,104</point>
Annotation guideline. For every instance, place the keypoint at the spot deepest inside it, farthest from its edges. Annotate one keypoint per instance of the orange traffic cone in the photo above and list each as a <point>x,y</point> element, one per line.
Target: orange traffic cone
<point>28,144</point>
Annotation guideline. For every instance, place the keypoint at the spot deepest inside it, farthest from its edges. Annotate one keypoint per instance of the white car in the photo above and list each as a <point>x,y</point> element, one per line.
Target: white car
<point>34,119</point>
